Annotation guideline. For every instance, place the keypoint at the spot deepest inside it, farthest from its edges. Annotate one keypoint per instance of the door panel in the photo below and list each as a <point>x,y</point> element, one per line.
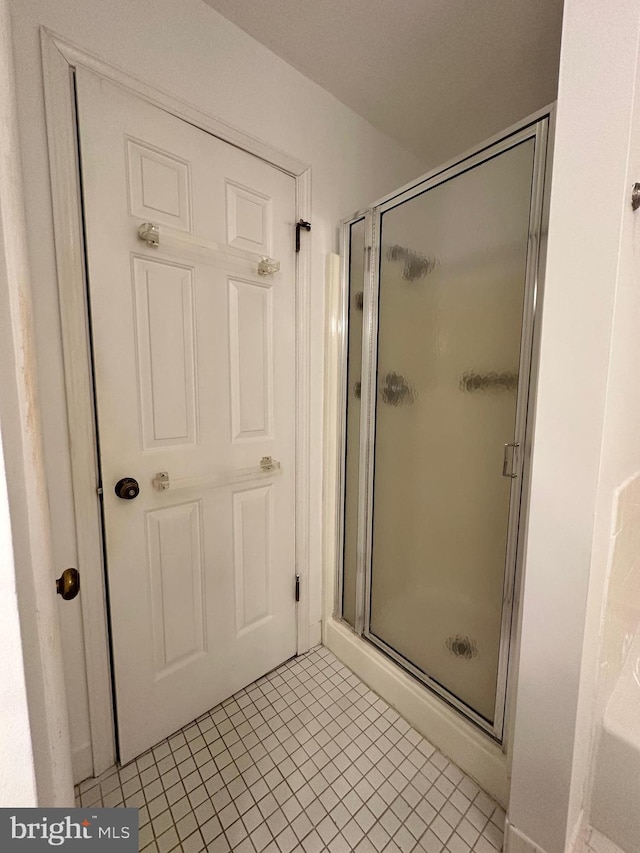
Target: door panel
<point>174,536</point>
<point>159,186</point>
<point>253,537</point>
<point>194,362</point>
<point>164,340</point>
<point>248,219</point>
<point>251,354</point>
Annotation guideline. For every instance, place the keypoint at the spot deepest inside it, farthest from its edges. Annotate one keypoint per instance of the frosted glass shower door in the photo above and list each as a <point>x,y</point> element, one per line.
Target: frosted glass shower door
<point>451,307</point>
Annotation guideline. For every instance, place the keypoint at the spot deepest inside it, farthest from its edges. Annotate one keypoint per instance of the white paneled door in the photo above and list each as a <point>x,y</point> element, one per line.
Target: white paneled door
<point>194,361</point>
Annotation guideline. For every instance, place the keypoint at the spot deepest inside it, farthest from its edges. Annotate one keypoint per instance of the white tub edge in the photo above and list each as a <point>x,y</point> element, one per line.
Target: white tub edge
<point>615,812</point>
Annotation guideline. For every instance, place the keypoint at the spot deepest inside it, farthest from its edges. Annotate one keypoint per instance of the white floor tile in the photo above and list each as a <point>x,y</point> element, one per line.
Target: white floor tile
<point>306,759</point>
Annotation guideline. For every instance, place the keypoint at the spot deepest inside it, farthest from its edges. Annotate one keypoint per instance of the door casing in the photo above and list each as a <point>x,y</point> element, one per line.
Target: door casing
<point>60,59</point>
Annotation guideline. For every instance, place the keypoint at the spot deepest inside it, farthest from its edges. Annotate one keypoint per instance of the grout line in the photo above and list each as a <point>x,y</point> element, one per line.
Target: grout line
<point>294,713</point>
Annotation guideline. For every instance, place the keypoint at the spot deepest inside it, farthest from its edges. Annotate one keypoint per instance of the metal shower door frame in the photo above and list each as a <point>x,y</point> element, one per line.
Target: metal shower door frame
<point>536,128</point>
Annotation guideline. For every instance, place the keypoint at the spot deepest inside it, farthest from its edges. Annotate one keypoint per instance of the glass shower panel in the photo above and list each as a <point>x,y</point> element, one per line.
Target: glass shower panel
<point>452,281</point>
<point>355,296</point>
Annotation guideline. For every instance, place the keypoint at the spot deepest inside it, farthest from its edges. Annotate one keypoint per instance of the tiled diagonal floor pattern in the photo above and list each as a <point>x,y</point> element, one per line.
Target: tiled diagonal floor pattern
<point>305,759</point>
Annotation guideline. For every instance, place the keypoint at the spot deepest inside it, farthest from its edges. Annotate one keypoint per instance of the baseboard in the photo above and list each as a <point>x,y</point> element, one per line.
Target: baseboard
<point>315,634</point>
<point>469,748</point>
<point>599,843</point>
<point>517,842</point>
<point>82,763</point>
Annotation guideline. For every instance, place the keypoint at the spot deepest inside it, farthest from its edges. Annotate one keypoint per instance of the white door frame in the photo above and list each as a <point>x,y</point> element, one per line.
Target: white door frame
<point>60,59</point>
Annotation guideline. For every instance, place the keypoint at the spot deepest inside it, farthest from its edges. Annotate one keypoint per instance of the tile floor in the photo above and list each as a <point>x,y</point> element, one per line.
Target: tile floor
<point>305,759</point>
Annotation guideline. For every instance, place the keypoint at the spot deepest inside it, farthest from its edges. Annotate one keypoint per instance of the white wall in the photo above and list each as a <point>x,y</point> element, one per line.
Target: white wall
<point>187,49</point>
<point>621,445</point>
<point>580,382</point>
<point>17,775</point>
<point>35,765</point>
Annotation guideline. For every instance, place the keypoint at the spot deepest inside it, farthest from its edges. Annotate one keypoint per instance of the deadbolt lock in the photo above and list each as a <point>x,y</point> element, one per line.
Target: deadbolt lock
<point>127,489</point>
<point>68,584</point>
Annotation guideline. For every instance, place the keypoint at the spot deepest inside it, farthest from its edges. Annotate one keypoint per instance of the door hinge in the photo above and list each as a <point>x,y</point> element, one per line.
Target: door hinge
<point>99,490</point>
<point>297,587</point>
<point>302,223</point>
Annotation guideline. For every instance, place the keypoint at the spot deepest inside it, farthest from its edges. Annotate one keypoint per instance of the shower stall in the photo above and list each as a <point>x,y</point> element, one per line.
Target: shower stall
<point>439,299</point>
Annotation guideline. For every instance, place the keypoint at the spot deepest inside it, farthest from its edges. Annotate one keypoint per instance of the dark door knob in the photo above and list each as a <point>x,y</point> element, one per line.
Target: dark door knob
<point>127,489</point>
<point>68,584</point>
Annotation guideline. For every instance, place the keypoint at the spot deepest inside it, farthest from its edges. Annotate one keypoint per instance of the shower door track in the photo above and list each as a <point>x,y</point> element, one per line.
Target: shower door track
<point>535,127</point>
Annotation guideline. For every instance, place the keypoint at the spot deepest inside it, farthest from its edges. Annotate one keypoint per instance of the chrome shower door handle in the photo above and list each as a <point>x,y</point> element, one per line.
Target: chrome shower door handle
<point>509,470</point>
